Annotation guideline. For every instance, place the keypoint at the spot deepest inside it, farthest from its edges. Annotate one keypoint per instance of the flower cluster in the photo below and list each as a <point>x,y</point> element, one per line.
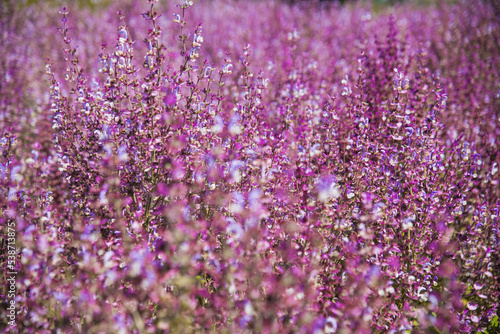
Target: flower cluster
<point>297,167</point>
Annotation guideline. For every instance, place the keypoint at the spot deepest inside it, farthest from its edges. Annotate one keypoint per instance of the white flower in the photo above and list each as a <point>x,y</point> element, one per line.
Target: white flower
<point>194,53</point>
<point>186,4</point>
<point>494,169</point>
<point>293,35</point>
<point>331,325</point>
<point>207,71</point>
<point>422,294</point>
<point>227,69</point>
<point>197,40</point>
<point>123,35</point>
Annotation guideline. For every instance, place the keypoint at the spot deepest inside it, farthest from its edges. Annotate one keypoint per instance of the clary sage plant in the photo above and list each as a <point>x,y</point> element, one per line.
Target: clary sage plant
<point>250,167</point>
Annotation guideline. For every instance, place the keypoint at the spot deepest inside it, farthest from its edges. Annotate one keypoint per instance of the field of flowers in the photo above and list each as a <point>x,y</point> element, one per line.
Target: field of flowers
<point>249,167</point>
